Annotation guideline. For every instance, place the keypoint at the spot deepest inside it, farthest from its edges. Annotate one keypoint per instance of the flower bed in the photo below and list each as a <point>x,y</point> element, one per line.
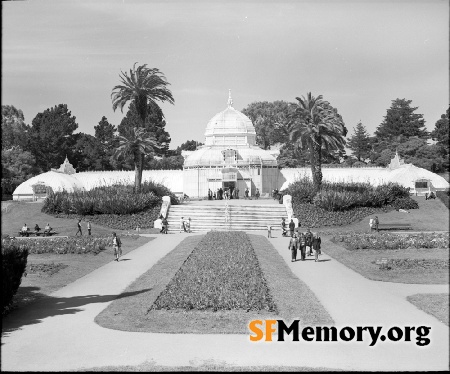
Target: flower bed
<point>355,241</point>
<point>45,269</point>
<point>77,245</point>
<point>415,264</point>
<point>221,273</point>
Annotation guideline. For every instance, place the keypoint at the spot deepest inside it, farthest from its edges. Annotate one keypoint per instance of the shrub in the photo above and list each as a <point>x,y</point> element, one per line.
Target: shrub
<point>302,190</point>
<point>444,196</point>
<point>14,262</point>
<point>358,164</point>
<point>116,199</point>
<point>405,203</point>
<point>77,245</point>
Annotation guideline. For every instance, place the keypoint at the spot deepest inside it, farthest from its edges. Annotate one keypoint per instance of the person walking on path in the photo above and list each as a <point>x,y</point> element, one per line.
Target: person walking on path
<point>89,227</point>
<point>246,192</point>
<point>316,241</point>
<point>291,228</point>
<point>269,231</point>
<point>257,194</point>
<point>302,245</point>
<point>79,228</point>
<point>283,227</point>
<point>117,245</point>
<point>293,243</point>
<point>308,239</point>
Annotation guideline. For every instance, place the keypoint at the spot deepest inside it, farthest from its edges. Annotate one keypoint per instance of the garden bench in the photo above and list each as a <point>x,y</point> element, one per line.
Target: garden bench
<point>394,226</point>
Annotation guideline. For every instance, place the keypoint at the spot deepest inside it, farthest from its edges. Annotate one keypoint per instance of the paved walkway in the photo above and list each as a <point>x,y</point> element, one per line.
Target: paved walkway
<point>60,334</point>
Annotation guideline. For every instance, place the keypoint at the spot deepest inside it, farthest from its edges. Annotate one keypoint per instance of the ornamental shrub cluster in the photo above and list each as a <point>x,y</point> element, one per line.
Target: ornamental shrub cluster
<point>340,196</point>
<point>221,273</point>
<point>380,241</point>
<point>77,245</point>
<point>115,199</point>
<point>14,263</point>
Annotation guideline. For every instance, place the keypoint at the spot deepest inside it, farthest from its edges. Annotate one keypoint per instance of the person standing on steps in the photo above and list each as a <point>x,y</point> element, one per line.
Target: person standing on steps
<point>246,192</point>
<point>182,225</point>
<point>269,231</point>
<point>165,225</point>
<point>79,228</point>
<point>188,225</point>
<point>293,243</point>
<point>257,194</point>
<point>209,194</point>
<point>316,242</point>
<point>117,245</point>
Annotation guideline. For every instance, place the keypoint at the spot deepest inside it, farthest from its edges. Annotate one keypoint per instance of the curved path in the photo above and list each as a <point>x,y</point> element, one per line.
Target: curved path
<point>59,333</point>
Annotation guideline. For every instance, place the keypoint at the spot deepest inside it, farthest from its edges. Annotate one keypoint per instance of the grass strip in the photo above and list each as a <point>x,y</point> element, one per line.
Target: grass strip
<point>292,297</point>
<point>435,304</point>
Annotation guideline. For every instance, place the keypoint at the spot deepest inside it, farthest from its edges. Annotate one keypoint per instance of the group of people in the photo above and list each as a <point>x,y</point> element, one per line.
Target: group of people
<point>223,193</point>
<point>304,242</point>
<point>185,225</point>
<point>88,226</point>
<point>25,231</point>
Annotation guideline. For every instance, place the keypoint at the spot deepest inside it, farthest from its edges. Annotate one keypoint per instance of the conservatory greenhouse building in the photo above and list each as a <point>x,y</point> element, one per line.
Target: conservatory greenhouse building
<point>230,158</point>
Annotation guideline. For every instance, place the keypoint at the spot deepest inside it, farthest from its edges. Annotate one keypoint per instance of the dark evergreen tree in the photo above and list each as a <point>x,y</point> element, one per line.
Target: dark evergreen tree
<point>51,136</point>
<point>441,129</point>
<point>154,124</point>
<point>359,143</point>
<point>14,130</point>
<point>400,119</point>
<point>105,131</point>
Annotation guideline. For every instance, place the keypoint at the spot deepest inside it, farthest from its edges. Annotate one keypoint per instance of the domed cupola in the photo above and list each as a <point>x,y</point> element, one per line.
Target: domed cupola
<point>230,128</point>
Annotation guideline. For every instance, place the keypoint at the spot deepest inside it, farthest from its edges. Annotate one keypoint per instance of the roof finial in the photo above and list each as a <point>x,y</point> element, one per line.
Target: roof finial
<point>230,100</point>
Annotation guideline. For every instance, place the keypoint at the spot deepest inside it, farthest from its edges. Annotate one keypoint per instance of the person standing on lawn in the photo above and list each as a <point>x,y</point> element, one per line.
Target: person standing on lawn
<point>117,245</point>
<point>308,238</point>
<point>89,227</point>
<point>316,241</point>
<point>376,222</point>
<point>293,244</point>
<point>302,244</point>
<point>79,228</point>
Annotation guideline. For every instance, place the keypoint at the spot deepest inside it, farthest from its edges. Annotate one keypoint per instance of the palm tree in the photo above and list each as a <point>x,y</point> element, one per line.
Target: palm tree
<point>143,86</point>
<point>136,143</point>
<point>316,125</point>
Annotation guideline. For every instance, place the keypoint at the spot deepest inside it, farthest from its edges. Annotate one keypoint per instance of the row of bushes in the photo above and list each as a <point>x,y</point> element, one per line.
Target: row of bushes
<point>115,199</point>
<point>221,273</point>
<point>340,196</point>
<point>356,241</point>
<point>14,263</point>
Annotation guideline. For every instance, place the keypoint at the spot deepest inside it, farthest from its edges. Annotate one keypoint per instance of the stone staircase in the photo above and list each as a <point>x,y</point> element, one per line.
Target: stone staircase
<point>241,217</point>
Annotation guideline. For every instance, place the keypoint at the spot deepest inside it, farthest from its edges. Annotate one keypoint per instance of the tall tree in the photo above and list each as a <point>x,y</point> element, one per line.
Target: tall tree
<point>270,120</point>
<point>51,136</point>
<point>154,124</point>
<point>359,143</point>
<point>14,130</point>
<point>400,119</point>
<point>105,131</point>
<point>317,126</point>
<point>136,143</point>
<point>142,86</point>
<point>441,130</point>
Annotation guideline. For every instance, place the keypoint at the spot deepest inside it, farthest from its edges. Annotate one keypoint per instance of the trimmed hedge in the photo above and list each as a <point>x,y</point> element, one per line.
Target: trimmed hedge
<point>14,263</point>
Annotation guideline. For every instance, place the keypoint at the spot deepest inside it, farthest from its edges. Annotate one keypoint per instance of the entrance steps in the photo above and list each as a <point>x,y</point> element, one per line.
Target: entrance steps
<point>241,217</point>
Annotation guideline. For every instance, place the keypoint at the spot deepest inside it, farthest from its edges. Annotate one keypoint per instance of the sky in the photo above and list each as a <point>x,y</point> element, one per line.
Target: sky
<point>359,55</point>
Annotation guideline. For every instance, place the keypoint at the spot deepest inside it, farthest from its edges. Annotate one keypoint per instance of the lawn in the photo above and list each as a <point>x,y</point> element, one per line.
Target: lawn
<point>363,261</point>
<point>293,299</point>
<point>435,304</point>
<point>49,272</point>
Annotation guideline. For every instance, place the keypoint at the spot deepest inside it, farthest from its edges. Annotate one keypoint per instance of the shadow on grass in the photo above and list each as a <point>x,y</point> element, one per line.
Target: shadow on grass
<point>49,306</point>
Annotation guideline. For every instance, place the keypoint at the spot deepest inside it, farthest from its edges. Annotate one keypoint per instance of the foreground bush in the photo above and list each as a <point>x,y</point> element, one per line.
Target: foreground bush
<point>221,273</point>
<point>355,241</point>
<point>444,196</point>
<point>115,199</point>
<point>14,262</point>
<point>78,245</point>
